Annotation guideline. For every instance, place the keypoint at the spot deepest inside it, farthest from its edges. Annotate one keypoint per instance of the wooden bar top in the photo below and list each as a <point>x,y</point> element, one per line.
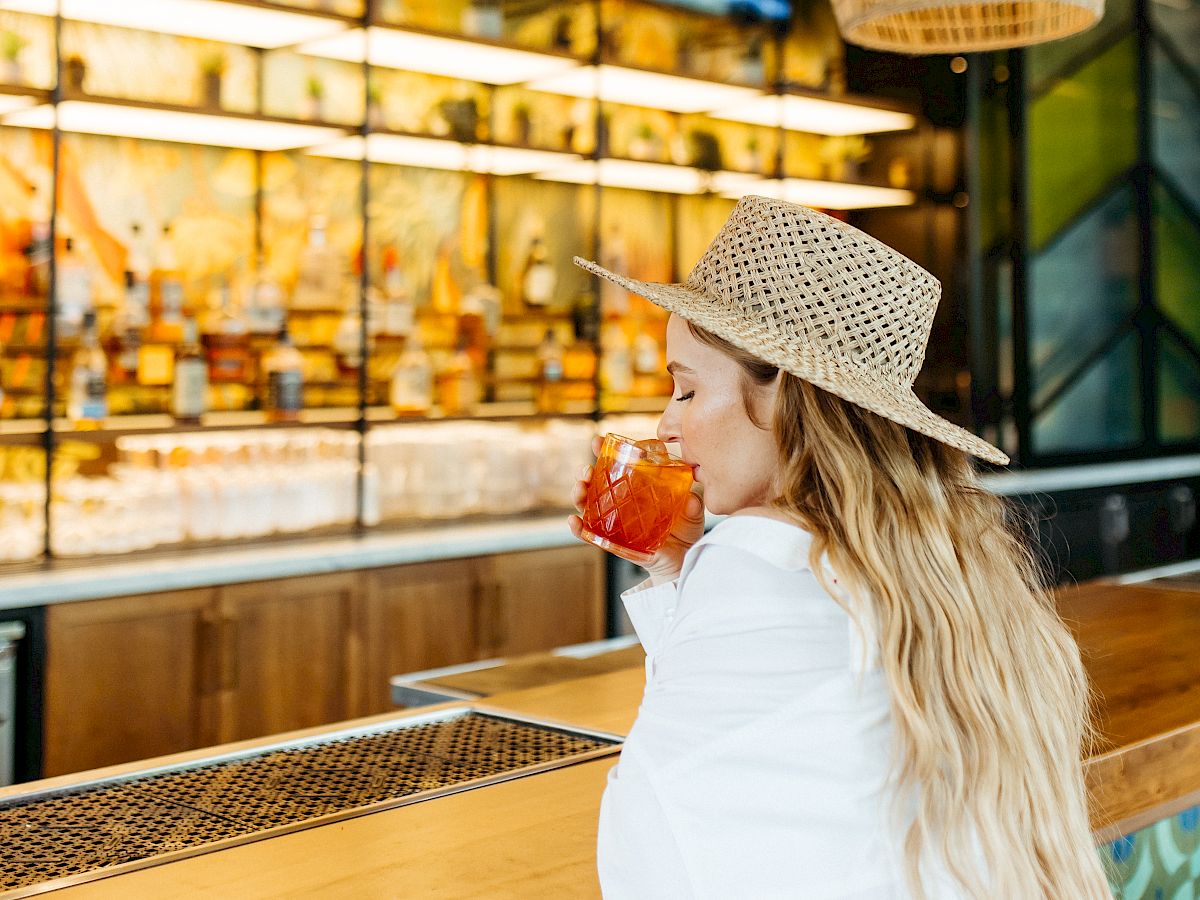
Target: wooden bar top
<point>535,837</point>
<point>1137,643</point>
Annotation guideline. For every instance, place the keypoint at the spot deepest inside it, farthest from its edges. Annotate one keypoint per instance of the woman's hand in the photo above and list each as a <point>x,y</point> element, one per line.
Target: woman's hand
<point>666,564</point>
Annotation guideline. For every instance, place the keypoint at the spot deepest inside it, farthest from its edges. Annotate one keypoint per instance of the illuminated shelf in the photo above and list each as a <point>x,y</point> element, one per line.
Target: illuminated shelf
<point>644,88</point>
<point>817,115</point>
<point>649,176</point>
<point>179,124</point>
<point>443,153</point>
<point>433,53</point>
<point>259,24</point>
<point>828,194</point>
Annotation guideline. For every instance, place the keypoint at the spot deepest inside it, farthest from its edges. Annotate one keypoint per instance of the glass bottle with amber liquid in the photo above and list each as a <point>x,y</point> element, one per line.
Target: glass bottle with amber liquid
<point>87,395</point>
<point>411,391</point>
<point>189,397</point>
<point>458,383</point>
<point>284,367</point>
<point>538,277</point>
<point>550,380</point>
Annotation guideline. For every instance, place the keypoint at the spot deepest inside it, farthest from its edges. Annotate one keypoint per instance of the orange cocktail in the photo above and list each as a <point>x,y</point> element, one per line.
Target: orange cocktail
<point>636,493</point>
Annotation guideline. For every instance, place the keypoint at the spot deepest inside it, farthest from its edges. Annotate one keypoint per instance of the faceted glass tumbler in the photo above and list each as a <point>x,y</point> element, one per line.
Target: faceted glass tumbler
<point>636,494</point>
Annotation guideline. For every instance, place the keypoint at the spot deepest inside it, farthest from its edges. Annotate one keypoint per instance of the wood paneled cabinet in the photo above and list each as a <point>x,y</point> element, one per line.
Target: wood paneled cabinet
<point>133,677</point>
<point>126,679</point>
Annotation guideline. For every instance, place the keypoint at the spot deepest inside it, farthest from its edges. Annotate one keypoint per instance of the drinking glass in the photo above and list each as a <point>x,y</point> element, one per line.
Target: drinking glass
<point>636,494</point>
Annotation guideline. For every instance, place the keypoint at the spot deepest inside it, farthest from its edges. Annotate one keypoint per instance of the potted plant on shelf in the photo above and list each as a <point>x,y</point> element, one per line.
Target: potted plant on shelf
<point>461,116</point>
<point>843,156</point>
<point>752,159</point>
<point>212,68</point>
<point>74,73</point>
<point>11,45</point>
<point>704,151</point>
<point>314,94</point>
<point>375,120</point>
<point>522,118</point>
<point>645,143</point>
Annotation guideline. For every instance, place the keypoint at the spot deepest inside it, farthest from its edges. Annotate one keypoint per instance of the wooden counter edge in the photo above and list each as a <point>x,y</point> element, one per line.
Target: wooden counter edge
<point>1136,785</point>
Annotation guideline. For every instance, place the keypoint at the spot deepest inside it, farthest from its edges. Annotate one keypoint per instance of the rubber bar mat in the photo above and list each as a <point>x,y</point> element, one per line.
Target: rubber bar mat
<point>98,829</point>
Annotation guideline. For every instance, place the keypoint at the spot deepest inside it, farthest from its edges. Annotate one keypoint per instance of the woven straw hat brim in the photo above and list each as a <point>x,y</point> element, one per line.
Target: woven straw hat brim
<point>804,361</point>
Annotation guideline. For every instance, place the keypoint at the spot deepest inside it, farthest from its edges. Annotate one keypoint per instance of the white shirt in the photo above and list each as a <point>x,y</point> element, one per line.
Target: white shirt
<point>758,765</point>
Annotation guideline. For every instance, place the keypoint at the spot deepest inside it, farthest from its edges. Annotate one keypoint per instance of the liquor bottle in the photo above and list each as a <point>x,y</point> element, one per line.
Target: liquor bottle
<point>137,278</point>
<point>16,235</point>
<point>74,290</point>
<point>472,329</point>
<point>458,385</point>
<point>266,311</point>
<point>284,367</point>
<point>537,276</point>
<point>125,341</point>
<point>584,320</point>
<point>347,342</point>
<point>645,354</point>
<point>166,291</point>
<point>320,281</point>
<point>38,280</point>
<point>614,299</point>
<point>616,365</point>
<point>87,396</point>
<point>412,380</point>
<point>399,317</point>
<point>189,398</point>
<point>550,380</point>
<point>38,250</point>
<point>226,340</point>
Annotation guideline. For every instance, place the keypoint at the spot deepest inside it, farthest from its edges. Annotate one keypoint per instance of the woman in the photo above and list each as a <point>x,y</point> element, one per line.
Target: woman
<point>854,686</point>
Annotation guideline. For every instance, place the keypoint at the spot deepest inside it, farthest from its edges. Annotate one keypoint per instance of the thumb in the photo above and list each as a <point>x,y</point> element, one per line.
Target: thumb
<point>693,510</point>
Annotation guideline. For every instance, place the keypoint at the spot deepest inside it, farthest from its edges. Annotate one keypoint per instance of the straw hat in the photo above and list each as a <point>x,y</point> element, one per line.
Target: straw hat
<point>819,299</point>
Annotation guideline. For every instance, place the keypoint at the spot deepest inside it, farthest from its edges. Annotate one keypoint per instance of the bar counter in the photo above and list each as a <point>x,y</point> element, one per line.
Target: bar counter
<point>535,836</point>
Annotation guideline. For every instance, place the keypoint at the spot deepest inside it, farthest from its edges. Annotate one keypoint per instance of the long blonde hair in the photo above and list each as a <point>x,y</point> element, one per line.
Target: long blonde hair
<point>989,697</point>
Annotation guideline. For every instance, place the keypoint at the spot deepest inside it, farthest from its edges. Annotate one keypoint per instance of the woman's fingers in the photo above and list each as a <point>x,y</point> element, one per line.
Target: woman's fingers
<point>579,493</point>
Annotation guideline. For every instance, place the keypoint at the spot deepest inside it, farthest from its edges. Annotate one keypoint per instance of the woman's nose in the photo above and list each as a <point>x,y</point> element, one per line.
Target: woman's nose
<point>668,425</point>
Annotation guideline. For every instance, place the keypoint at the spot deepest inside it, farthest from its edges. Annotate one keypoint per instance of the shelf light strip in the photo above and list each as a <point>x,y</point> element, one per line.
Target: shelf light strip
<point>168,125</point>
<point>212,20</point>
<point>654,90</point>
<point>435,153</point>
<point>13,102</point>
<point>431,54</point>
<point>817,116</point>
<point>624,173</point>
<point>826,194</point>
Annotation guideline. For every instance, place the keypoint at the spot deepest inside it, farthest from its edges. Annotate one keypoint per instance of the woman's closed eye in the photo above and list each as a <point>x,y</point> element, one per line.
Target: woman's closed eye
<point>688,396</point>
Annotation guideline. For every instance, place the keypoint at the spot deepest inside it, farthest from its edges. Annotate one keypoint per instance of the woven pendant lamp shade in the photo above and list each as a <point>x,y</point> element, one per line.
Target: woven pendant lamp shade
<point>961,26</point>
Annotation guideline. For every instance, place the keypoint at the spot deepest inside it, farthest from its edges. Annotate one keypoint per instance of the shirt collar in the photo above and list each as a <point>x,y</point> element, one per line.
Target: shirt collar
<point>781,544</point>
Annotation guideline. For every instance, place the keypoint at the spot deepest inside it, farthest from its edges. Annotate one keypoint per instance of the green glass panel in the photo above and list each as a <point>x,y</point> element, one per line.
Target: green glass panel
<point>995,173</point>
<point>1176,124</point>
<point>1046,62</point>
<point>1178,23</point>
<point>1178,393</point>
<point>1081,289</point>
<point>1177,258</point>
<point>1102,410</point>
<point>1081,136</point>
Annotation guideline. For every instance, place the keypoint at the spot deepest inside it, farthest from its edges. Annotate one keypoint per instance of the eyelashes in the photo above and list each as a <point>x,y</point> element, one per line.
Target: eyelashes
<point>688,396</point>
